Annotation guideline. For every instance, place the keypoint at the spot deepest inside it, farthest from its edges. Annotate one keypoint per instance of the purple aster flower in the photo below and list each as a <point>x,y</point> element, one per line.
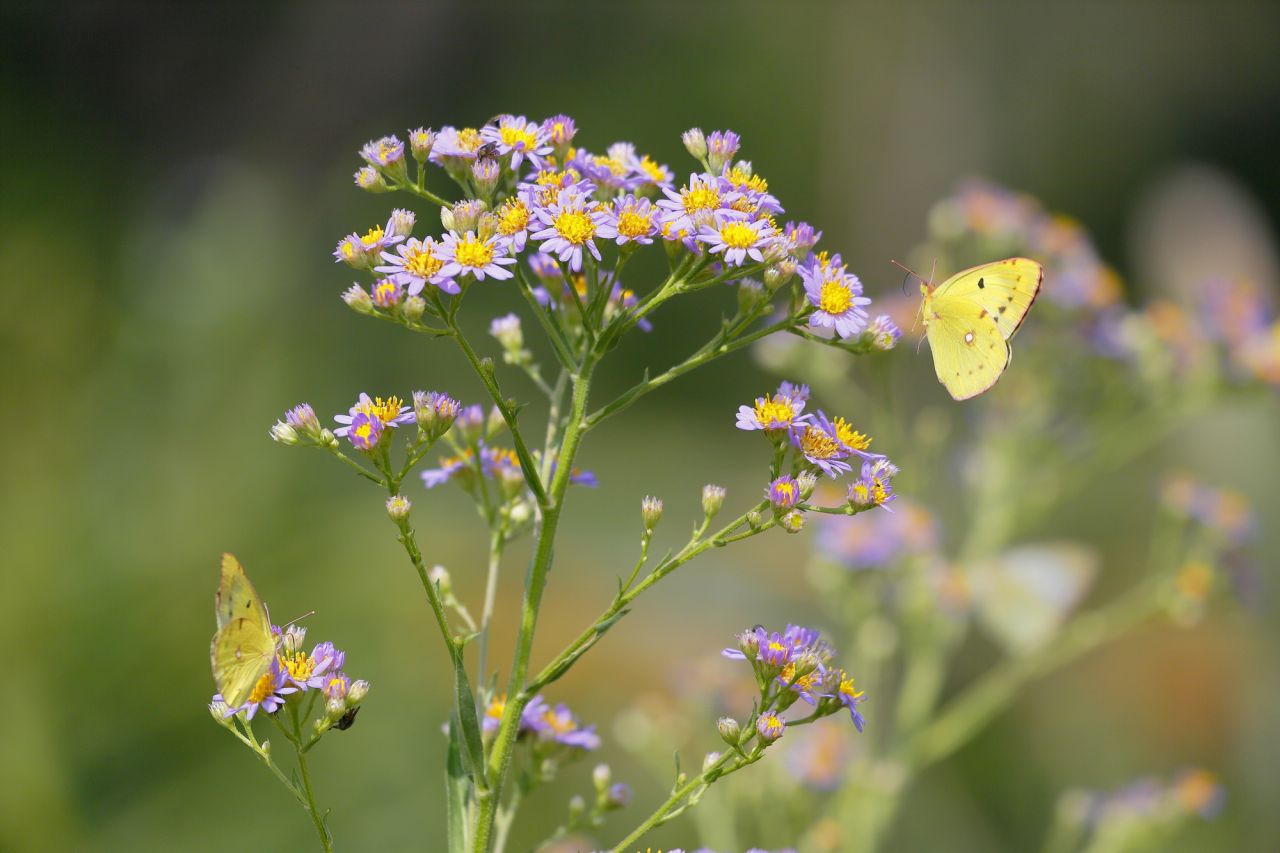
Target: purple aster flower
<point>571,226</point>
<point>700,201</point>
<point>514,216</point>
<point>625,299</point>
<point>801,237</point>
<point>737,239</point>
<point>485,174</point>
<point>649,172</point>
<point>302,418</point>
<point>784,493</point>
<point>385,153</point>
<point>799,393</point>
<point>421,141</point>
<point>387,293</point>
<point>493,715</point>
<point>544,266</point>
<point>884,333</point>
<point>455,146</point>
<point>560,725</point>
<point>364,431</point>
<point>875,485</point>
<point>450,467</point>
<point>877,539</point>
<point>389,412</point>
<point>819,442</point>
<point>559,131</point>
<point>635,220</point>
<point>471,255</point>
<point>417,262</point>
<point>310,671</point>
<point>721,146</point>
<point>336,686</point>
<point>850,697</point>
<point>771,412</point>
<point>370,179</point>
<point>580,477</point>
<point>770,726</point>
<point>518,137</point>
<point>837,296</point>
<point>356,250</point>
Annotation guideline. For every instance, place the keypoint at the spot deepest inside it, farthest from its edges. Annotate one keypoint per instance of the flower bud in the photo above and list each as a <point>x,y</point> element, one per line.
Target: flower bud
<point>650,512</point>
<point>749,643</point>
<point>778,274</point>
<point>439,576</point>
<point>435,412</point>
<point>695,143</point>
<point>770,726</point>
<point>753,520</point>
<point>618,795</point>
<point>721,146</point>
<point>446,218</point>
<point>421,141</point>
<point>712,499</point>
<point>520,513</point>
<point>730,731</point>
<point>709,761</point>
<point>220,711</point>
<point>804,663</point>
<point>357,298</point>
<point>335,708</point>
<point>784,493</point>
<point>387,293</point>
<point>494,423</point>
<point>506,330</point>
<point>807,481</point>
<point>601,776</point>
<point>560,131</point>
<point>413,308</point>
<point>283,433</point>
<point>485,173</point>
<point>356,693</point>
<point>401,222</point>
<point>487,226</point>
<point>293,639</point>
<point>327,438</point>
<point>577,807</point>
<point>510,482</point>
<point>792,522</point>
<point>398,507</point>
<point>464,216</point>
<point>369,179</point>
<point>884,333</point>
<point>470,423</point>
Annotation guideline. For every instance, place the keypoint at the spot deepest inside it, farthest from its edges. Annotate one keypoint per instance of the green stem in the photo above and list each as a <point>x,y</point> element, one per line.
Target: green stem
<point>535,584</point>
<point>497,540</point>
<point>360,469</point>
<point>326,840</point>
<point>486,374</point>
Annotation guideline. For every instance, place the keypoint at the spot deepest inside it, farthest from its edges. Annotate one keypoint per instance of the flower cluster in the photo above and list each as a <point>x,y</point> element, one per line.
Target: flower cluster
<point>795,664</point>
<point>1146,807</point>
<point>295,671</point>
<point>544,724</point>
<point>818,444</point>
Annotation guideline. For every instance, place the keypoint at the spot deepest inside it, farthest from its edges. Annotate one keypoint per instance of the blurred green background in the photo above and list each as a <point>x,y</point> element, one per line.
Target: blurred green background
<point>173,181</point>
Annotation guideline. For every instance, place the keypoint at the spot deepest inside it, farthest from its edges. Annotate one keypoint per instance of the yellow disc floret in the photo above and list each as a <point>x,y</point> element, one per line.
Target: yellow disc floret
<point>574,226</point>
<point>473,252</point>
<point>738,235</point>
<point>776,410</point>
<point>835,297</point>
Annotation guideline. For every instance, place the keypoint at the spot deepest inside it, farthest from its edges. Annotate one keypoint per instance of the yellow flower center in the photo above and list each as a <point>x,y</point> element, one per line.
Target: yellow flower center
<point>336,688</point>
<point>574,226</point>
<point>372,236</point>
<point>861,493</point>
<point>616,167</point>
<point>513,136</point>
<point>469,139</point>
<point>1194,581</point>
<point>786,491</point>
<point>742,178</point>
<point>700,197</point>
<point>262,689</point>
<point>558,132</point>
<point>670,233</point>
<point>776,647</point>
<point>776,409</point>
<point>835,297</point>
<point>513,216</point>
<point>385,150</point>
<point>738,235</point>
<point>384,410</point>
<point>847,688</point>
<point>473,252</point>
<point>824,262</point>
<point>348,250</point>
<point>801,684</point>
<point>632,224</point>
<point>817,444</point>
<point>652,168</point>
<point>496,708</point>
<point>422,262</point>
<point>559,723</point>
<point>385,290</point>
<point>850,436</point>
<point>878,491</point>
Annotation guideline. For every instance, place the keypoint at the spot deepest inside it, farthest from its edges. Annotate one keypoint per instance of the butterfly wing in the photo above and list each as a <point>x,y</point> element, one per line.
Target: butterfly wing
<point>243,647</point>
<point>969,351</point>
<point>1006,289</point>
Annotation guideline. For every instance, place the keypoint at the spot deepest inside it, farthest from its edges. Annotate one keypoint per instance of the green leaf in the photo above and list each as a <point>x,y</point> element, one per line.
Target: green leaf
<point>457,790</point>
<point>469,723</point>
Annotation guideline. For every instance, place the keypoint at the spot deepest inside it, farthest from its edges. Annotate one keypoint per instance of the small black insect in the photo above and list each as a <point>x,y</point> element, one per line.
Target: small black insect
<point>488,151</point>
<point>347,720</point>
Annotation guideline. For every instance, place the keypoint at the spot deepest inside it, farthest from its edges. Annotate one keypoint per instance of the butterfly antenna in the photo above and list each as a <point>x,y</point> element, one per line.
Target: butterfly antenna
<point>297,619</point>
<point>933,271</point>
<point>908,270</point>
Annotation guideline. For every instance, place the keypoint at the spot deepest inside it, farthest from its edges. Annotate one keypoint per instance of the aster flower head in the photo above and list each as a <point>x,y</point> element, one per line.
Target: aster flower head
<point>435,412</point>
<point>518,138</point>
<point>421,141</point>
<point>309,671</point>
<point>455,149</point>
<point>836,296</point>
<point>485,174</point>
<point>695,142</point>
<point>558,724</point>
<point>358,250</point>
<point>302,418</point>
<point>366,421</point>
<point>475,256</point>
<point>884,333</point>
<point>800,238</point>
<point>819,442</point>
<point>721,146</point>
<point>386,153</point>
<point>702,200</point>
<point>875,486</point>
<point>571,225</point>
<point>737,239</point>
<point>784,493</point>
<point>770,726</point>
<point>387,293</point>
<point>850,697</point>
<point>370,180</point>
<point>450,467</point>
<point>513,219</point>
<point>635,220</point>
<point>775,412</point>
<point>559,131</point>
<point>544,266</point>
<point>416,263</point>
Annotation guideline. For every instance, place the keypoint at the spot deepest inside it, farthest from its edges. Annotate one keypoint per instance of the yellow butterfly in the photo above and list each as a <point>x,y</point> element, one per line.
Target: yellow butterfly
<point>243,648</point>
<point>970,317</point>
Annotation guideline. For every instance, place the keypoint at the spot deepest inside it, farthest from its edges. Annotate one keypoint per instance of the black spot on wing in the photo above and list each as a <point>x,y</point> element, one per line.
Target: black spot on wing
<point>981,283</point>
